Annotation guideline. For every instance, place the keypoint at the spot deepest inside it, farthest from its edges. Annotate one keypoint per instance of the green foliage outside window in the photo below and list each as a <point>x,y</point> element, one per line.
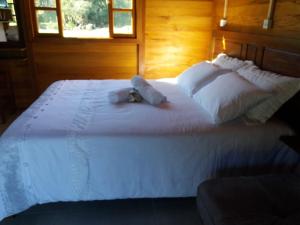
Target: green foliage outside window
<point>45,3</point>
<point>90,16</point>
<point>84,12</point>
<point>122,4</point>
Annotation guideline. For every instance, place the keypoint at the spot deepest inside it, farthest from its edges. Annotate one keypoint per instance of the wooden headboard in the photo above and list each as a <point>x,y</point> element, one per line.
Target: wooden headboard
<point>279,55</point>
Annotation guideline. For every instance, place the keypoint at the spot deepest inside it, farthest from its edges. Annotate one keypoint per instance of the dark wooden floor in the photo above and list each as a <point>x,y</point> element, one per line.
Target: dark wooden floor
<point>8,120</point>
<point>120,212</point>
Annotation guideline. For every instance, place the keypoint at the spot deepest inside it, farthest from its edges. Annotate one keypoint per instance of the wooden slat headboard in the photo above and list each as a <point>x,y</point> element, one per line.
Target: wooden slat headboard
<point>279,55</point>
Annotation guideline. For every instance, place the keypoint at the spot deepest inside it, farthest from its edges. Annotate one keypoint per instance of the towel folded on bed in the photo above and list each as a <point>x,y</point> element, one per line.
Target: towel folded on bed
<point>119,96</point>
<point>134,96</point>
<point>130,95</point>
<point>149,93</point>
<point>141,90</point>
<point>139,82</point>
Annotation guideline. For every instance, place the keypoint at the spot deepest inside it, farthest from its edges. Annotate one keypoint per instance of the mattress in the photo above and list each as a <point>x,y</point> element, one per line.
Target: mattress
<point>73,145</point>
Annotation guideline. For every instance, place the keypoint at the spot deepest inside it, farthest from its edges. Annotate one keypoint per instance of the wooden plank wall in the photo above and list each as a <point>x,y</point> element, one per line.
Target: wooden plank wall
<point>247,16</point>
<point>23,82</point>
<point>57,58</point>
<point>177,35</point>
<point>80,59</point>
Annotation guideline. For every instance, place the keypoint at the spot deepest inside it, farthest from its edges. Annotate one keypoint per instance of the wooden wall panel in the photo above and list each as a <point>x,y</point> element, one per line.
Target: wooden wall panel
<point>231,48</point>
<point>247,16</point>
<point>83,60</point>
<point>58,58</point>
<point>23,83</point>
<point>287,18</point>
<point>177,35</point>
<point>281,61</point>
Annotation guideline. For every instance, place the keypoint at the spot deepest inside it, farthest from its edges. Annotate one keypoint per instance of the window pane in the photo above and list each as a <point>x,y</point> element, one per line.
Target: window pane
<point>3,4</point>
<point>13,22</point>
<point>122,4</point>
<point>85,18</point>
<point>47,21</point>
<point>12,7</point>
<point>12,32</point>
<point>45,3</point>
<point>123,23</point>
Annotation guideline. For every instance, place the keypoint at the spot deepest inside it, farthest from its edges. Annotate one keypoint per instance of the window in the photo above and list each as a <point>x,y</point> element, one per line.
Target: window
<point>11,5</point>
<point>122,17</point>
<point>46,16</point>
<point>85,18</point>
<point>10,24</point>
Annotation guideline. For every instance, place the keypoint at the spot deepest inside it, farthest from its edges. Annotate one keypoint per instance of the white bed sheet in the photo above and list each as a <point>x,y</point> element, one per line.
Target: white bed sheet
<point>73,145</point>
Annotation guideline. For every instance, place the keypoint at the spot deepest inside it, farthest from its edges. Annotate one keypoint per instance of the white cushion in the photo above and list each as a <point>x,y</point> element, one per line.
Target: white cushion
<point>227,62</point>
<point>283,88</point>
<point>228,97</point>
<point>197,76</point>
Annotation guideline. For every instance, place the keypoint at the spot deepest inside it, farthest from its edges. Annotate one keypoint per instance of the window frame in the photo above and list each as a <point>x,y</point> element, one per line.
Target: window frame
<point>14,15</point>
<point>111,19</point>
<point>58,11</point>
<point>19,18</point>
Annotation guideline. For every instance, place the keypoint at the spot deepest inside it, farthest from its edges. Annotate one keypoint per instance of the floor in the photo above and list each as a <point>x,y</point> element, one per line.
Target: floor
<point>180,211</point>
<point>9,119</point>
<point>119,212</point>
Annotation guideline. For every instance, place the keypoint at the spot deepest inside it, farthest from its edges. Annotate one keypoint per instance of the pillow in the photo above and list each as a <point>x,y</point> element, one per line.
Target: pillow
<point>197,76</point>
<point>228,97</point>
<point>227,62</point>
<point>283,88</point>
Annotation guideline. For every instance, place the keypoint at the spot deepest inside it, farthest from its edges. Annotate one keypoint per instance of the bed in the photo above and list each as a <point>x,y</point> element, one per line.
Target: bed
<point>73,145</point>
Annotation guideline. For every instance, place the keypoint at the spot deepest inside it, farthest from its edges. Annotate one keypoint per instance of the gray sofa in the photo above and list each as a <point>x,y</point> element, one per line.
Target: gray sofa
<point>259,200</point>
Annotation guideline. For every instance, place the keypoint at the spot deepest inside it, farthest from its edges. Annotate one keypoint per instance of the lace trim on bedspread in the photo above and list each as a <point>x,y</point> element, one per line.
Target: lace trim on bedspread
<point>83,116</point>
<point>14,190</point>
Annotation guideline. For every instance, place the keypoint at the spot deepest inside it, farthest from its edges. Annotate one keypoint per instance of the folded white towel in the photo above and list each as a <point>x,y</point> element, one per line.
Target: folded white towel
<point>149,93</point>
<point>119,96</point>
<point>139,82</point>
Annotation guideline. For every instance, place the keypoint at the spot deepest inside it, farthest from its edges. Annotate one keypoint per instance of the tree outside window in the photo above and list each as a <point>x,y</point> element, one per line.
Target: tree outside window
<point>85,18</point>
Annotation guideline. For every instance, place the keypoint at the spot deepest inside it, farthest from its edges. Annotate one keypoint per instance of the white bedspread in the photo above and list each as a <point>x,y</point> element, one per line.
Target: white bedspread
<point>73,145</point>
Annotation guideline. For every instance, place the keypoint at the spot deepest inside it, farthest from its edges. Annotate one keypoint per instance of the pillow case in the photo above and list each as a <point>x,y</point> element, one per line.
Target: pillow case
<point>227,62</point>
<point>197,76</point>
<point>228,97</point>
<point>283,88</point>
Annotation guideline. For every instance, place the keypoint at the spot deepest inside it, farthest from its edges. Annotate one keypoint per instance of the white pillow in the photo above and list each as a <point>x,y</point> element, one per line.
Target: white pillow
<point>228,97</point>
<point>283,88</point>
<point>197,76</point>
<point>227,62</point>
